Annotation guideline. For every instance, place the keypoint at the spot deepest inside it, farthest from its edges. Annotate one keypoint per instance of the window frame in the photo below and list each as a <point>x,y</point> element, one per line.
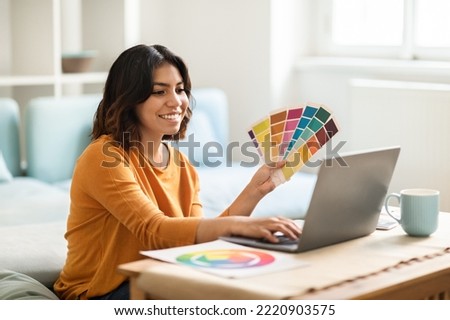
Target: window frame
<point>407,51</point>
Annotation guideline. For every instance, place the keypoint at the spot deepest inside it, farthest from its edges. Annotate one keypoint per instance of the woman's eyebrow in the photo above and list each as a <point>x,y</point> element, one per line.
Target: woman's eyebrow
<point>162,84</point>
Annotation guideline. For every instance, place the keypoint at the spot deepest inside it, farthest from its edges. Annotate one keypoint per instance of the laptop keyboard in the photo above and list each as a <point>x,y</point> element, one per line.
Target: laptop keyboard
<point>282,239</point>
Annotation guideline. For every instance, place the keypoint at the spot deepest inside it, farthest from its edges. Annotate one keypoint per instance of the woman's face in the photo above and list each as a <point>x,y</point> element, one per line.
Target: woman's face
<point>162,112</point>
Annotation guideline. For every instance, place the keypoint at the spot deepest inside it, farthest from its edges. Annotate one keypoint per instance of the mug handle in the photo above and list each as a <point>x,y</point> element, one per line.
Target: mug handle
<point>392,195</point>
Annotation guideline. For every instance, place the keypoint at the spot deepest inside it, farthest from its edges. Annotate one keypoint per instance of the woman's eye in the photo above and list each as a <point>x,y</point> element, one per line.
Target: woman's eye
<point>158,92</point>
<point>180,90</point>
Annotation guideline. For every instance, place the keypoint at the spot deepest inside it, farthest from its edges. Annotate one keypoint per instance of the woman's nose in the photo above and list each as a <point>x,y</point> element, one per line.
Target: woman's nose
<point>174,99</point>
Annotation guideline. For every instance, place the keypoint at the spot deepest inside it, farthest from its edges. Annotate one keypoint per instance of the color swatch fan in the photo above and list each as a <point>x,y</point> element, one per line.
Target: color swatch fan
<point>294,135</point>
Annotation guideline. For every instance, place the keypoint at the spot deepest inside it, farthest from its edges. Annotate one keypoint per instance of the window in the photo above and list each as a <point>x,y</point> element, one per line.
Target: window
<point>360,23</point>
<point>410,29</point>
<point>432,23</point>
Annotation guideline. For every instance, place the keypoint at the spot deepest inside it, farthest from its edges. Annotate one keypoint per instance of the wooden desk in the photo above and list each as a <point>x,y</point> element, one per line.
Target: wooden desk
<point>421,273</point>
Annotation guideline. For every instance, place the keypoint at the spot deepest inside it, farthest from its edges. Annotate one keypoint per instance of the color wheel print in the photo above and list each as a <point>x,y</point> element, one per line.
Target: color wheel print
<point>226,259</point>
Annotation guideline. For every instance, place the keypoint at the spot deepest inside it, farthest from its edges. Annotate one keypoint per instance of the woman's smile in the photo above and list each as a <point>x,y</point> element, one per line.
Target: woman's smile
<point>172,117</point>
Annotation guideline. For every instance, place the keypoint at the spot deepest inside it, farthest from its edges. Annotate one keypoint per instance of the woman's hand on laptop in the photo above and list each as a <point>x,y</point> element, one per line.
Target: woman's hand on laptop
<point>266,228</point>
<point>259,228</point>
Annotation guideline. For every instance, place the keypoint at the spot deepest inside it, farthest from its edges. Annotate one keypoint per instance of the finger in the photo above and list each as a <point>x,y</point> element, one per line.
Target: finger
<point>268,235</point>
<point>280,164</point>
<point>289,228</point>
<point>275,165</point>
<point>289,232</point>
<point>295,227</point>
<point>288,221</point>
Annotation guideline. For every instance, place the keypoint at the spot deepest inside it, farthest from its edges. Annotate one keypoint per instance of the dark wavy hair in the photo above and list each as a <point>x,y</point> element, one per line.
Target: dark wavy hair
<point>129,83</point>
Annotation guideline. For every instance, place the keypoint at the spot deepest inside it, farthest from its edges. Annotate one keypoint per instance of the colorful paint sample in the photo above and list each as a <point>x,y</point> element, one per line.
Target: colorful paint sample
<point>277,123</point>
<point>303,123</point>
<point>312,126</point>
<point>260,134</point>
<point>293,117</point>
<point>226,259</point>
<point>293,135</point>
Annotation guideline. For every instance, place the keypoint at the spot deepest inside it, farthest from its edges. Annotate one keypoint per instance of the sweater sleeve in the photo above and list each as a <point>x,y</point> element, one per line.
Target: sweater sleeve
<point>108,178</point>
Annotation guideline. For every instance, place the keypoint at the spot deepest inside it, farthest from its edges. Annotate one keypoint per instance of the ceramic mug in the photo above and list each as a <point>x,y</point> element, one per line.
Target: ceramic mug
<point>419,211</point>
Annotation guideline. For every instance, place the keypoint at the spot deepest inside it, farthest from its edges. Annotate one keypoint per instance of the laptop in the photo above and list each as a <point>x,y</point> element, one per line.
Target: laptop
<point>346,202</point>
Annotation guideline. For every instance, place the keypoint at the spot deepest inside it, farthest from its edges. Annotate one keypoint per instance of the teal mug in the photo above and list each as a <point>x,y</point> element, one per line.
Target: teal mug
<point>419,211</point>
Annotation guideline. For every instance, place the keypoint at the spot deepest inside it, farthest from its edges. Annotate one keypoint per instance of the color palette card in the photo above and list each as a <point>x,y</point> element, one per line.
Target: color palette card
<point>294,135</point>
<point>227,259</point>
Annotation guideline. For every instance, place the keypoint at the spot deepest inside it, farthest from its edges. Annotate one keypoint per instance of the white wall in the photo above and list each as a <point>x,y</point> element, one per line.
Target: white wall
<point>5,37</point>
<point>247,48</point>
<point>226,43</point>
<point>413,115</point>
<point>103,29</point>
<point>293,24</point>
<point>29,46</point>
<point>327,81</point>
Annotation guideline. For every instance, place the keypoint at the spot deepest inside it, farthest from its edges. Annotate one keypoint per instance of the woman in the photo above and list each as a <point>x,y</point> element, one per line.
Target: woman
<point>131,191</point>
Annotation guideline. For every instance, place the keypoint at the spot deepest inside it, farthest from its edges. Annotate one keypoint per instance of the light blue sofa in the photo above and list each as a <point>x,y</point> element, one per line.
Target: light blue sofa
<point>34,199</point>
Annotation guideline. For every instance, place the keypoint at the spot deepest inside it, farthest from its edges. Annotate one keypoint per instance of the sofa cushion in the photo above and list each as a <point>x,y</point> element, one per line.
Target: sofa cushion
<point>5,175</point>
<point>18,286</point>
<point>63,185</point>
<point>33,218</point>
<point>220,186</point>
<point>26,200</point>
<point>37,250</point>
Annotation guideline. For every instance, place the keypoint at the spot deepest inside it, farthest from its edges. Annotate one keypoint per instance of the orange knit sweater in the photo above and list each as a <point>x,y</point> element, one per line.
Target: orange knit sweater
<point>120,204</point>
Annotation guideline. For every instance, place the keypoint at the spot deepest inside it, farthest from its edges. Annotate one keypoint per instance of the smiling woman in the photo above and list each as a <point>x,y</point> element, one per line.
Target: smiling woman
<point>132,191</point>
<point>162,113</point>
<point>137,73</point>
